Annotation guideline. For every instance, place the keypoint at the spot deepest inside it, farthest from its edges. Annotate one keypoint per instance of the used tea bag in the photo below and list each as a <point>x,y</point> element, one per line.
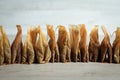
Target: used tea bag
<point>116,46</point>
<point>33,34</point>
<point>93,48</point>
<point>75,39</point>
<point>28,50</point>
<point>53,44</point>
<point>106,47</point>
<point>1,47</point>
<point>16,48</point>
<point>43,52</point>
<point>83,46</point>
<point>6,48</point>
<point>63,44</point>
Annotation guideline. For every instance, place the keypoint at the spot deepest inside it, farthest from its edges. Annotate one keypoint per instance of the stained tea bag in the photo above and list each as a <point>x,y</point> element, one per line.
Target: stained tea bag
<point>94,45</point>
<point>28,50</point>
<point>75,39</point>
<point>43,52</point>
<point>116,46</point>
<point>106,47</point>
<point>17,46</point>
<point>63,44</point>
<point>82,45</point>
<point>1,47</point>
<point>7,48</point>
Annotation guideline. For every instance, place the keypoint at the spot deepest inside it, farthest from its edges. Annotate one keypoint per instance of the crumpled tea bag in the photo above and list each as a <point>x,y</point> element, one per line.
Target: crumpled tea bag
<point>63,44</point>
<point>75,39</point>
<point>106,47</point>
<point>1,47</point>
<point>93,48</point>
<point>53,44</point>
<point>42,49</point>
<point>82,45</point>
<point>33,34</point>
<point>116,46</point>
<point>6,48</point>
<point>17,46</point>
<point>28,50</point>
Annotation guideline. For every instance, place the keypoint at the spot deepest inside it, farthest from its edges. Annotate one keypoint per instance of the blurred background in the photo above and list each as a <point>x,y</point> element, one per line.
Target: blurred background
<point>41,12</point>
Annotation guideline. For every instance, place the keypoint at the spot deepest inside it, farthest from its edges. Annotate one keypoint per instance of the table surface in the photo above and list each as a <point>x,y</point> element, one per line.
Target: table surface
<point>60,71</point>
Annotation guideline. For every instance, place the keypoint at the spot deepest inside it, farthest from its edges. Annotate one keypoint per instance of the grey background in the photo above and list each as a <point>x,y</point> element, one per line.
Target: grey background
<point>41,12</point>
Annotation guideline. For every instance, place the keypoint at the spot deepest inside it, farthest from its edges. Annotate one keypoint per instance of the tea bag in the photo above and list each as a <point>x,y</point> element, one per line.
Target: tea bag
<point>43,52</point>
<point>17,46</point>
<point>53,44</point>
<point>83,46</point>
<point>116,46</point>
<point>28,50</point>
<point>75,39</point>
<point>93,48</point>
<point>7,48</point>
<point>1,47</point>
<point>106,47</point>
<point>64,44</point>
